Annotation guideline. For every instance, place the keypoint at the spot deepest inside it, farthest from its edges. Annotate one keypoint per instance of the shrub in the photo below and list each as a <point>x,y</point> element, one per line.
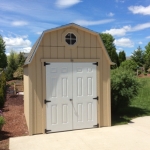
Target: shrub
<point>2,89</point>
<point>2,120</point>
<point>124,86</point>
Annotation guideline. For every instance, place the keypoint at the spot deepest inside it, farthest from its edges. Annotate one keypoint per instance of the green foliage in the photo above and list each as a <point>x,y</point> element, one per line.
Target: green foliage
<point>12,65</point>
<point>2,89</point>
<point>2,122</point>
<point>147,56</point>
<point>3,58</point>
<point>15,64</point>
<point>129,65</point>
<point>122,56</point>
<point>138,56</point>
<point>108,41</point>
<point>18,73</point>
<point>20,59</point>
<point>124,86</point>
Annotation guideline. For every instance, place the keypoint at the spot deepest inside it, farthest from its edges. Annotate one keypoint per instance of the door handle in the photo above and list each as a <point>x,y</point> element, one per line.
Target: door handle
<point>70,99</point>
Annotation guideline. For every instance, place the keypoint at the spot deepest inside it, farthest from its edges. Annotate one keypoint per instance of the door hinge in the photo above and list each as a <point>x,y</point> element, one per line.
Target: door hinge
<point>96,126</point>
<point>95,63</point>
<point>45,63</point>
<point>46,131</point>
<point>45,101</point>
<point>96,98</point>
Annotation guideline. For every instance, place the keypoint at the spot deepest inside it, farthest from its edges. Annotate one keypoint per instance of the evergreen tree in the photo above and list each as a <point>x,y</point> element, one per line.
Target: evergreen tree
<point>20,59</point>
<point>147,56</point>
<point>12,65</point>
<point>3,58</point>
<point>138,56</point>
<point>108,41</point>
<point>122,56</point>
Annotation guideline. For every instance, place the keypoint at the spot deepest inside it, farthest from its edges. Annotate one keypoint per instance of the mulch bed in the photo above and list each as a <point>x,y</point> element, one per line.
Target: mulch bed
<point>13,112</point>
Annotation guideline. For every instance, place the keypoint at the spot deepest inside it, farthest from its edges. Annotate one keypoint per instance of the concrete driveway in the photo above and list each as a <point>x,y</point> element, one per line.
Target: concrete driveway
<point>133,136</point>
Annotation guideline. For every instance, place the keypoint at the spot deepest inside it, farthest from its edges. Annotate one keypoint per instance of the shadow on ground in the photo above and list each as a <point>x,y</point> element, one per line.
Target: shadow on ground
<point>127,114</point>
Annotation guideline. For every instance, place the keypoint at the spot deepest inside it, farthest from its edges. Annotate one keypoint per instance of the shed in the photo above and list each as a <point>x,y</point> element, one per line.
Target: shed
<point>67,81</point>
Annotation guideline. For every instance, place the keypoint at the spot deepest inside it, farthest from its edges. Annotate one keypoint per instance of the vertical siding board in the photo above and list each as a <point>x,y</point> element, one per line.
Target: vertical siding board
<point>80,52</point>
<point>46,51</point>
<point>46,40</point>
<point>54,53</point>
<point>74,53</point>
<point>99,50</point>
<point>67,52</point>
<point>60,37</point>
<point>39,103</point>
<point>61,52</point>
<point>81,44</point>
<point>93,46</point>
<point>87,45</point>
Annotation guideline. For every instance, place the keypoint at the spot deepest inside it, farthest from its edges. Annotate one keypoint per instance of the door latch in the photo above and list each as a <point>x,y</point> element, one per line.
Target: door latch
<point>70,99</point>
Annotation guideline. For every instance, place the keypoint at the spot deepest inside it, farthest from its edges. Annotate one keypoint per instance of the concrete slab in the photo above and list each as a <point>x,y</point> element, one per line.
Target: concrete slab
<point>134,136</point>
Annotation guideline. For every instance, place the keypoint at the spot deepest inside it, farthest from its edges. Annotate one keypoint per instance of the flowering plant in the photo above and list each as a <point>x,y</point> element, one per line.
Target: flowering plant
<point>2,120</point>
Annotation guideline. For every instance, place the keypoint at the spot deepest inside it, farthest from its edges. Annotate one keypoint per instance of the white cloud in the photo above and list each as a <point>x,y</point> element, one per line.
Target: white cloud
<point>39,33</point>
<point>66,3</point>
<point>124,42</point>
<point>140,42</point>
<point>141,26</point>
<point>19,23</point>
<point>89,23</point>
<point>118,32</point>
<point>17,43</point>
<point>148,37</point>
<point>121,1</point>
<point>111,14</point>
<point>1,30</point>
<point>122,31</point>
<point>140,10</point>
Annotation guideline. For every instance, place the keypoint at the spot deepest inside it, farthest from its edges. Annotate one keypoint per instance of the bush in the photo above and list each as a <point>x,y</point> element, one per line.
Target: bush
<point>2,89</point>
<point>139,72</point>
<point>124,86</point>
<point>2,120</point>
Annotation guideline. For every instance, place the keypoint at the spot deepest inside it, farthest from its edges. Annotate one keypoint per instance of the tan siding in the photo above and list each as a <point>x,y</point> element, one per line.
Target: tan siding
<point>74,53</point>
<point>61,52</point>
<point>67,52</point>
<point>47,52</point>
<point>26,95</point>
<point>54,38</point>
<point>59,37</point>
<point>81,43</point>
<point>93,46</point>
<point>54,53</point>
<point>87,53</point>
<point>80,52</point>
<point>87,39</point>
<point>34,95</point>
<point>46,39</point>
<point>39,101</point>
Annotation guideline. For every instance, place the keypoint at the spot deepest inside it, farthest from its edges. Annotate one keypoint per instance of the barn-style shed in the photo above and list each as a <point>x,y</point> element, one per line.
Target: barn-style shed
<point>67,81</point>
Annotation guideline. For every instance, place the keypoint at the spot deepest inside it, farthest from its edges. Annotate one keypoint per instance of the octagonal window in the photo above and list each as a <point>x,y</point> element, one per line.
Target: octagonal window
<point>70,38</point>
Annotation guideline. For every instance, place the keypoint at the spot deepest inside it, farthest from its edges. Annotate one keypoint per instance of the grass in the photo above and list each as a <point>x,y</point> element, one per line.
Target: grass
<point>140,105</point>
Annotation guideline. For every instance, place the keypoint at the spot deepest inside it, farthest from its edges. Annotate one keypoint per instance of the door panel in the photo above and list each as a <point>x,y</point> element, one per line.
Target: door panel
<point>84,90</point>
<point>59,92</point>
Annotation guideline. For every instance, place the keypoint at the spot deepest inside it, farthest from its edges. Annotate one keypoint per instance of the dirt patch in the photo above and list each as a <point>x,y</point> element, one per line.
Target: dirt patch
<point>13,112</point>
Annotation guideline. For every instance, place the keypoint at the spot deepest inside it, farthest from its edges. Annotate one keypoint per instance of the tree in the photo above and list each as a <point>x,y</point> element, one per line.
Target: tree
<point>138,56</point>
<point>20,59</point>
<point>108,41</point>
<point>12,65</point>
<point>122,56</point>
<point>129,65</point>
<point>3,58</point>
<point>147,56</point>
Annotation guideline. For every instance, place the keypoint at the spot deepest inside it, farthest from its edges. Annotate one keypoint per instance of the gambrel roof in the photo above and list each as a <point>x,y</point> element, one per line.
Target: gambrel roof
<point>37,43</point>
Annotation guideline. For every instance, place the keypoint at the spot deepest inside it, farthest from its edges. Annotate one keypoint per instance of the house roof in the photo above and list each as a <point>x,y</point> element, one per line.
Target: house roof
<point>35,46</point>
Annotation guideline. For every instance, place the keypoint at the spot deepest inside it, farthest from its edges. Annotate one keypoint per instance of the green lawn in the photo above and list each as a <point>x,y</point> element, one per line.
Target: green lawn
<point>140,105</point>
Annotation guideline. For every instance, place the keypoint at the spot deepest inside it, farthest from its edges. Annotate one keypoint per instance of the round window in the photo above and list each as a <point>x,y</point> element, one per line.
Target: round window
<point>70,38</point>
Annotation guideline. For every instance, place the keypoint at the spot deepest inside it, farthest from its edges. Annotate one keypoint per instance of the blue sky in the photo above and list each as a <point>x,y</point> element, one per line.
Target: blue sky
<point>22,21</point>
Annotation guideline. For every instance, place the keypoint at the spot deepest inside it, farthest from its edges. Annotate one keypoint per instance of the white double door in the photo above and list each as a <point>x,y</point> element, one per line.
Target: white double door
<point>70,89</point>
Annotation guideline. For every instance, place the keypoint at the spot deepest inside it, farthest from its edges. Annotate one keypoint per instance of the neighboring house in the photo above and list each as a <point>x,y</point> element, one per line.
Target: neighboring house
<point>67,81</point>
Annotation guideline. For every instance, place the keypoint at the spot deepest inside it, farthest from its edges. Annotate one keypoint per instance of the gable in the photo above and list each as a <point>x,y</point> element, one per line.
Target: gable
<point>88,44</point>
